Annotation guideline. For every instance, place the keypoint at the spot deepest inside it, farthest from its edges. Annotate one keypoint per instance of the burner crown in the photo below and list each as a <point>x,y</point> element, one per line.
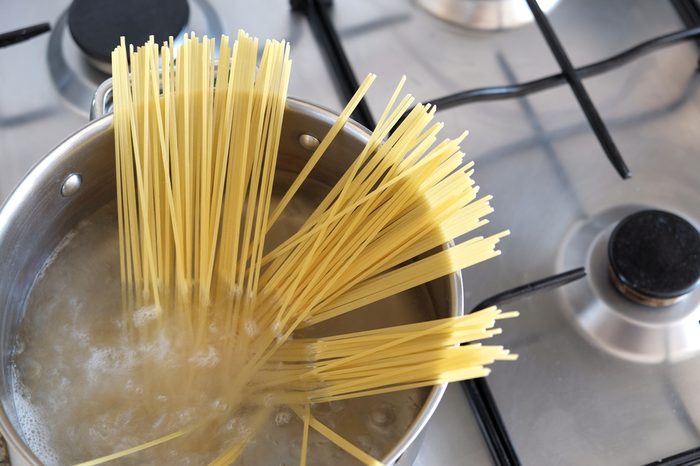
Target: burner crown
<point>96,25</point>
<point>654,257</point>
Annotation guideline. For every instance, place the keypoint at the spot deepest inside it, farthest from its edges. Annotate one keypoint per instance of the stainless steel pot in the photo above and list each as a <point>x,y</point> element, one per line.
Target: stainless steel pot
<point>77,178</point>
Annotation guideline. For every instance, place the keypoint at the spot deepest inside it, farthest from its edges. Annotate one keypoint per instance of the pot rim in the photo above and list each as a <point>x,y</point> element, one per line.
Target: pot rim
<point>11,208</point>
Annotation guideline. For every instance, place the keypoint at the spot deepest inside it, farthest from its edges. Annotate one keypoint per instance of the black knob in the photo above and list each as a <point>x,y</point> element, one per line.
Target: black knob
<point>654,257</point>
<point>96,25</point>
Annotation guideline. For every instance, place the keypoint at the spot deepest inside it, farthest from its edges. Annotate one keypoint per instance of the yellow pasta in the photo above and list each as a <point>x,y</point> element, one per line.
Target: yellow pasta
<point>197,140</point>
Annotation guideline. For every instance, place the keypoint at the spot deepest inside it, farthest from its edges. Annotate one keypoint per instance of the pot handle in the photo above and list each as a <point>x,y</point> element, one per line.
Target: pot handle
<point>102,101</point>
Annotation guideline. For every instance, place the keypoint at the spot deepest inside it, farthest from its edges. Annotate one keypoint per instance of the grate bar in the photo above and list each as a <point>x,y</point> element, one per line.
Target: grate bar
<point>327,36</point>
<point>689,12</point>
<point>20,35</point>
<point>584,100</point>
<point>687,458</point>
<point>479,394</point>
<point>482,94</point>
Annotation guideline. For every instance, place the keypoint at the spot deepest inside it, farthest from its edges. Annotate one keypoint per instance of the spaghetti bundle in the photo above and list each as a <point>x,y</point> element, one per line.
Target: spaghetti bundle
<point>197,140</point>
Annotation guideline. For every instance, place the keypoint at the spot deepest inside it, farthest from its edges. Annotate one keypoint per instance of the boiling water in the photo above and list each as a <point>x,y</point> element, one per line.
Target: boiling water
<point>83,390</point>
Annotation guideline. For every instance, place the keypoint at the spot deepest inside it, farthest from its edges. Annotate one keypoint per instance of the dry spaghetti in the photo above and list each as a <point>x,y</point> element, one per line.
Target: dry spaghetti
<point>197,142</point>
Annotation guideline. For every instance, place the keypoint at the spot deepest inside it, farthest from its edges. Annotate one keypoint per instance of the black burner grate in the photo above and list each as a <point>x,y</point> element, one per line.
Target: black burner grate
<point>25,33</point>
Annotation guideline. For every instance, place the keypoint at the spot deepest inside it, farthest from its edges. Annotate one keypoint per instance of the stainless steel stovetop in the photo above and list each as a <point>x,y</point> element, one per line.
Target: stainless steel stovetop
<point>600,380</point>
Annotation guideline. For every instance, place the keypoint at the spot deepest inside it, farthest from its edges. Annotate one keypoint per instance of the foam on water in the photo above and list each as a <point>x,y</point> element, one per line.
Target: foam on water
<point>251,328</point>
<point>145,315</point>
<point>283,418</point>
<point>52,257</point>
<point>208,358</point>
<point>35,432</point>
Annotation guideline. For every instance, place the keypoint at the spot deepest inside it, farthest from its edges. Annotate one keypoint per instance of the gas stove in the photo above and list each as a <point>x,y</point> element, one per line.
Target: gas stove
<point>599,182</point>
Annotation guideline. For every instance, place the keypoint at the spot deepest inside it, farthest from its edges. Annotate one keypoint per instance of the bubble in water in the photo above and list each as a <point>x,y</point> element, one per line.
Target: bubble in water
<point>208,358</point>
<point>19,346</point>
<point>249,296</point>
<point>186,415</point>
<point>243,429</point>
<point>159,349</point>
<point>64,382</point>
<point>220,404</point>
<point>158,422</point>
<point>31,370</point>
<point>144,315</point>
<point>383,414</point>
<point>134,387</point>
<point>97,435</point>
<point>235,291</point>
<point>231,424</point>
<point>250,328</point>
<point>276,328</point>
<point>76,303</point>
<point>283,418</point>
<point>82,338</point>
<point>106,360</point>
<point>268,399</point>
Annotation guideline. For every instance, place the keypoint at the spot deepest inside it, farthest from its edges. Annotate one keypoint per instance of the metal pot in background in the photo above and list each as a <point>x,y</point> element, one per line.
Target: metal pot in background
<point>486,15</point>
<point>77,178</point>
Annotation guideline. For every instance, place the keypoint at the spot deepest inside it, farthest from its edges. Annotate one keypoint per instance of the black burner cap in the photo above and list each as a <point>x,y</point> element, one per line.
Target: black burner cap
<point>655,254</point>
<point>96,25</point>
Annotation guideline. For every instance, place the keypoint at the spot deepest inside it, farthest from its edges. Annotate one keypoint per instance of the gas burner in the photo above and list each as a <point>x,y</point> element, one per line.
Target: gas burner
<point>79,48</point>
<point>654,257</point>
<point>97,25</point>
<point>616,321</point>
<point>485,14</point>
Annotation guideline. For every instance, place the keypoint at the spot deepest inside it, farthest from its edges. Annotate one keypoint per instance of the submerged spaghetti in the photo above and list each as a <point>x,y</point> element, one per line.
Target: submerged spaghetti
<point>196,152</point>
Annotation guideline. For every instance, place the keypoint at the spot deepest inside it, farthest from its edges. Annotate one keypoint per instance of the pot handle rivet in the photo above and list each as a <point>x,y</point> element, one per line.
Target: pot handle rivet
<point>308,141</point>
<point>71,184</point>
